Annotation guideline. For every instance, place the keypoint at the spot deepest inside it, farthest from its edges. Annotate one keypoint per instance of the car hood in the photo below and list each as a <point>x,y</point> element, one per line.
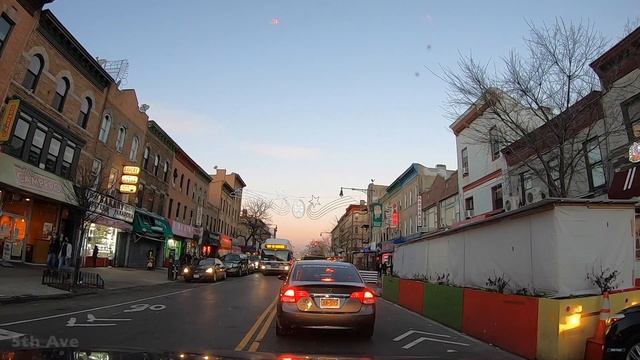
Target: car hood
<point>146,354</point>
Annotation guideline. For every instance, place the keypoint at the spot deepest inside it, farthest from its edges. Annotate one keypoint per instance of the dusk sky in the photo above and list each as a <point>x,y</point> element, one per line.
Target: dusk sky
<point>303,97</point>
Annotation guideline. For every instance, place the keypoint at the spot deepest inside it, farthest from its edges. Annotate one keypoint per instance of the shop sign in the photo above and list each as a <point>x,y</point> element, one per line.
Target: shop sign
<point>129,179</point>
<point>388,246</point>
<point>131,170</point>
<point>387,215</point>
<point>8,118</point>
<point>112,208</point>
<point>419,218</point>
<point>634,152</point>
<point>180,229</point>
<point>377,215</point>
<point>395,217</point>
<point>128,189</point>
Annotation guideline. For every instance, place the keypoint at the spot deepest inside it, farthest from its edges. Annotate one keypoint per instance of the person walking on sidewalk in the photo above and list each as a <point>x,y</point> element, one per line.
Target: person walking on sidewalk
<point>64,257</point>
<point>54,248</point>
<point>94,256</point>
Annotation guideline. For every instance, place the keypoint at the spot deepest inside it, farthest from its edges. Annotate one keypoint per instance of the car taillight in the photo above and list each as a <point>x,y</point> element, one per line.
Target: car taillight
<point>292,295</point>
<point>365,296</point>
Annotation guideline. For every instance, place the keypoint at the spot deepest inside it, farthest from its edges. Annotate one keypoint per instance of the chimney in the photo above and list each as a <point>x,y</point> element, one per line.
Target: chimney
<point>442,170</point>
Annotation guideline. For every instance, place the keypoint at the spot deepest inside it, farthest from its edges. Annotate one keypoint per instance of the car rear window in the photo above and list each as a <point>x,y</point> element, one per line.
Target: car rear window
<point>325,273</point>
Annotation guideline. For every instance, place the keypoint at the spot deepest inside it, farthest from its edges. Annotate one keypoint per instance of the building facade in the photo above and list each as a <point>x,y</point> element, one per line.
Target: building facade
<point>349,236</point>
<point>440,204</point>
<point>225,194</point>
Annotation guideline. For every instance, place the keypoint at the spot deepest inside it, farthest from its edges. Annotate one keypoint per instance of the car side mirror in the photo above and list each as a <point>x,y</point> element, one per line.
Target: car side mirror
<point>282,277</point>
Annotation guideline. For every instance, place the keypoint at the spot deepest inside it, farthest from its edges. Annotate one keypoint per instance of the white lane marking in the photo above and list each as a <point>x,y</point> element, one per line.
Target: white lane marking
<point>91,318</point>
<point>142,307</point>
<point>94,309</point>
<point>73,322</point>
<point>410,332</point>
<point>421,339</point>
<point>6,334</point>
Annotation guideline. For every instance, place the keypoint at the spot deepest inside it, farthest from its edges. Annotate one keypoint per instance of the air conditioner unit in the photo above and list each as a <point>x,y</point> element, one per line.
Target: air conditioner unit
<point>468,214</point>
<point>534,195</point>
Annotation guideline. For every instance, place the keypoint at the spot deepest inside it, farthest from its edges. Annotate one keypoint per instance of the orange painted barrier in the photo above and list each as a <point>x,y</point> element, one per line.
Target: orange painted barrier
<point>411,295</point>
<point>595,344</point>
<point>508,321</point>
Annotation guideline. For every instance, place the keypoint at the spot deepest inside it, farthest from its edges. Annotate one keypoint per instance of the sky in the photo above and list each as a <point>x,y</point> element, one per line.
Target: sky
<point>304,97</point>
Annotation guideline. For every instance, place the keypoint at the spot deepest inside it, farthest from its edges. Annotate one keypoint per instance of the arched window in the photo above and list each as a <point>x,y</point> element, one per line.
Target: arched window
<point>104,128</point>
<point>145,158</point>
<point>175,176</point>
<point>122,133</point>
<point>134,148</point>
<point>165,171</point>
<point>62,89</point>
<point>85,110</point>
<point>181,181</point>
<point>156,162</point>
<point>188,185</point>
<point>33,72</point>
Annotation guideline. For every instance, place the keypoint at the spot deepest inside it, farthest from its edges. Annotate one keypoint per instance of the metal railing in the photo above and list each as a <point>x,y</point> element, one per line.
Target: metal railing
<point>63,279</point>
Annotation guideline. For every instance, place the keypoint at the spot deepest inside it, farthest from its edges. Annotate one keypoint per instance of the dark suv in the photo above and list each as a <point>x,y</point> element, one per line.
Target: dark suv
<point>237,264</point>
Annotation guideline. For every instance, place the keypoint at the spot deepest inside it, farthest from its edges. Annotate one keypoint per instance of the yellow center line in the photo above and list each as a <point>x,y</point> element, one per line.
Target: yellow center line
<point>254,328</point>
<point>263,331</point>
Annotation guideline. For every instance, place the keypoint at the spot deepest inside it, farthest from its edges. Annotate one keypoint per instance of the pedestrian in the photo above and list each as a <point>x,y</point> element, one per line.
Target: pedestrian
<point>62,253</point>
<point>95,254</point>
<point>384,268</point>
<point>187,259</point>
<point>54,247</point>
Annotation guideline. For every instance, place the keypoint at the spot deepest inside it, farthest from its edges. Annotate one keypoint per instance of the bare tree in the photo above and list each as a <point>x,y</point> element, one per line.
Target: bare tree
<point>91,190</point>
<point>255,220</point>
<point>544,104</point>
<point>318,247</point>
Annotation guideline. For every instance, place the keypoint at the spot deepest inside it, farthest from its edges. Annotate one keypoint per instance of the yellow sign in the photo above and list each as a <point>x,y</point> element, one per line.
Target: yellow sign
<point>128,189</point>
<point>129,179</point>
<point>8,118</point>
<point>276,246</point>
<point>131,170</point>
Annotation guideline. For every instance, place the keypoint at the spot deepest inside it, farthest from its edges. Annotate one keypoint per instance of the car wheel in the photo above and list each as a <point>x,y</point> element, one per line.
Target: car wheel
<point>634,348</point>
<point>282,331</point>
<point>366,332</point>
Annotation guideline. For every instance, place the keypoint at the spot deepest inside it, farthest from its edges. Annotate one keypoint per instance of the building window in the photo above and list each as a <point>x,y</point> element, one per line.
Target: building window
<point>52,155</point>
<point>595,169</point>
<point>95,172</point>
<point>468,206</point>
<point>191,218</point>
<point>526,184</point>
<point>67,160</point>
<point>175,176</point>
<point>181,181</point>
<point>411,225</point>
<point>105,127</point>
<point>178,211</point>
<point>448,211</point>
<point>170,207</point>
<point>465,162</point>
<point>430,219</point>
<point>85,110</point>
<point>165,171</point>
<point>631,115</point>
<point>184,213</point>
<point>35,151</point>
<point>19,137</point>
<point>140,195</point>
<point>59,98</point>
<point>156,162</point>
<point>34,71</point>
<point>113,178</point>
<point>496,197</point>
<point>6,25</point>
<point>145,158</point>
<point>554,172</point>
<point>133,153</point>
<point>188,186</point>
<point>122,134</point>
<point>494,143</point>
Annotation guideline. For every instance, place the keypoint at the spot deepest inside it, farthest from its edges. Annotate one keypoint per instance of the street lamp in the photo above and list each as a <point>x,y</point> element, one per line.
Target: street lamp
<point>350,188</point>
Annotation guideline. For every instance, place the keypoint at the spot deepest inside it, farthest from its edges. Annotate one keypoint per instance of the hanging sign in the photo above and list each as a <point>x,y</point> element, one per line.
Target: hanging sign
<point>131,170</point>
<point>377,215</point>
<point>419,218</point>
<point>634,152</point>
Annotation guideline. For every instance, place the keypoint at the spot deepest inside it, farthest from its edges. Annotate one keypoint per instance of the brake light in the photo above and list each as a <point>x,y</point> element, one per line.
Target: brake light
<point>365,296</point>
<point>292,295</point>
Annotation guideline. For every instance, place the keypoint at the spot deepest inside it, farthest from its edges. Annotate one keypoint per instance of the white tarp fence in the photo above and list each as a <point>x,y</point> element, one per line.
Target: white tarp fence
<point>549,251</point>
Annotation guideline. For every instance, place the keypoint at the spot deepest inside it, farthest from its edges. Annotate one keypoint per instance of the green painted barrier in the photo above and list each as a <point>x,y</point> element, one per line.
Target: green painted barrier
<point>390,288</point>
<point>444,304</point>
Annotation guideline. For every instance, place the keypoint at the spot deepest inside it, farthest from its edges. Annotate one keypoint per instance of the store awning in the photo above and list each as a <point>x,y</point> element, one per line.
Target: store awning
<point>625,184</point>
<point>118,224</point>
<point>151,225</point>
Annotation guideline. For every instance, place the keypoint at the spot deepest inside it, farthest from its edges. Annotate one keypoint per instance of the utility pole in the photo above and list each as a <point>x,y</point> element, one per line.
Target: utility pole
<point>275,231</point>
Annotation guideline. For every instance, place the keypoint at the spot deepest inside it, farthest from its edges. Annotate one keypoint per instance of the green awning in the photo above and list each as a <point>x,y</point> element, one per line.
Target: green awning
<point>153,225</point>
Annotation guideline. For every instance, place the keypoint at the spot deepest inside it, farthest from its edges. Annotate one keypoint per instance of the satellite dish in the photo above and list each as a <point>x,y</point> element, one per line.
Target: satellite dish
<point>144,108</point>
<point>215,167</point>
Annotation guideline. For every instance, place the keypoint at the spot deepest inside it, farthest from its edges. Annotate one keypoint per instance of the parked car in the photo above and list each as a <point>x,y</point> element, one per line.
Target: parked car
<point>209,269</point>
<point>237,264</point>
<point>623,337</point>
<point>325,294</point>
<point>254,263</point>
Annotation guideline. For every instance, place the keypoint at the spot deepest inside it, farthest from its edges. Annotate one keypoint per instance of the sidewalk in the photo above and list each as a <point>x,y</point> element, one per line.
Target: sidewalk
<point>23,281</point>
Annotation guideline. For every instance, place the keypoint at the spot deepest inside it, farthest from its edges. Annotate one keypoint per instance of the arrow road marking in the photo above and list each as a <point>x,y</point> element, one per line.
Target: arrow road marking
<point>91,318</point>
<point>421,339</point>
<point>73,323</point>
<point>6,334</point>
<point>410,332</point>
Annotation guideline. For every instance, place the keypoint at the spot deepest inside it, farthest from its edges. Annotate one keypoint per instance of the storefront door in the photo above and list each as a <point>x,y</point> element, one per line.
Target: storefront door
<point>12,236</point>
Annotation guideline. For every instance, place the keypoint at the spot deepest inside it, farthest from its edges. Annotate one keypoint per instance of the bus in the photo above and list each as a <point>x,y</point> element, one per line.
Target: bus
<point>276,256</point>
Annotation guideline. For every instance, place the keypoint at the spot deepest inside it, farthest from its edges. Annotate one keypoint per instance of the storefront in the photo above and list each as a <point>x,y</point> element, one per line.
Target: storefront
<point>182,242</point>
<point>34,205</point>
<point>150,234</point>
<point>112,224</point>
<point>226,245</point>
<point>210,244</point>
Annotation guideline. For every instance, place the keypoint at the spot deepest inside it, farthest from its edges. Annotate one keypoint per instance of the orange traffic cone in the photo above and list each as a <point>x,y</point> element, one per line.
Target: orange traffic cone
<point>595,344</point>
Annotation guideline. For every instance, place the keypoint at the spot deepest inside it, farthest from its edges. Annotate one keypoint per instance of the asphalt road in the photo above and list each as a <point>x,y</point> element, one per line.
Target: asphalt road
<point>232,315</point>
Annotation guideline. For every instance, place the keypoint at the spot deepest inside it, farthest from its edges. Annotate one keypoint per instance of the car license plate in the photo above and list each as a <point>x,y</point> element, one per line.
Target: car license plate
<point>195,276</point>
<point>274,266</point>
<point>329,303</point>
